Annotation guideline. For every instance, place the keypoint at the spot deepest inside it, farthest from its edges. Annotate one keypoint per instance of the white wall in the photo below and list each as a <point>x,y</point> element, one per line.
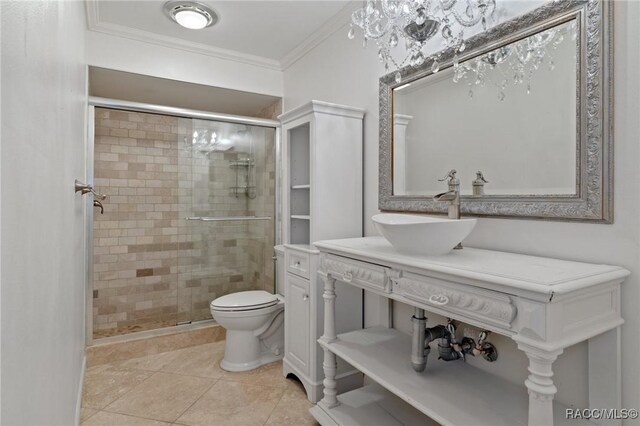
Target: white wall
<point>124,54</point>
<point>339,70</point>
<point>43,130</point>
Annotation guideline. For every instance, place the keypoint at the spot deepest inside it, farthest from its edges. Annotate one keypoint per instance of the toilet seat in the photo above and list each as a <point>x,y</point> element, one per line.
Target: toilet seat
<point>244,301</point>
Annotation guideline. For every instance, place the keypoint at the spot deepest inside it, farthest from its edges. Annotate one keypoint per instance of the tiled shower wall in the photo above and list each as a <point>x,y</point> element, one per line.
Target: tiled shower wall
<point>153,268</point>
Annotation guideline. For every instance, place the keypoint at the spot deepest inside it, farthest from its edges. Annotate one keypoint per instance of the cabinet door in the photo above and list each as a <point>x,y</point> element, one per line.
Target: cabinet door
<point>297,326</point>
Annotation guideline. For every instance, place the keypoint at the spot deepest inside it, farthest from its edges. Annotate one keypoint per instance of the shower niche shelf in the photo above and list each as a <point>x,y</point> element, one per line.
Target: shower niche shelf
<point>242,190</point>
<point>245,178</point>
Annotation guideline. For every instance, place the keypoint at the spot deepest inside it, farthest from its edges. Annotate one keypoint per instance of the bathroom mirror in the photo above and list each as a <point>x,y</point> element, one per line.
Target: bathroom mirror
<point>527,104</point>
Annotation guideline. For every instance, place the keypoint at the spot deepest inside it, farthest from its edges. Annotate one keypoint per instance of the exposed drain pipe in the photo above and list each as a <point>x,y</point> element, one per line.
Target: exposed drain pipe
<point>449,349</point>
<point>422,336</point>
<point>419,352</point>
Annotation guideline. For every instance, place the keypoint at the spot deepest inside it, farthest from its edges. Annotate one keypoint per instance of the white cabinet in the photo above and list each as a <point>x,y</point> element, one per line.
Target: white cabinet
<point>303,319</point>
<point>297,338</point>
<point>544,305</point>
<point>321,199</point>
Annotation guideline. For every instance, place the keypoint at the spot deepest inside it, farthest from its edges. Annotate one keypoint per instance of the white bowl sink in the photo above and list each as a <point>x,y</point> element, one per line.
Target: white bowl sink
<point>422,235</point>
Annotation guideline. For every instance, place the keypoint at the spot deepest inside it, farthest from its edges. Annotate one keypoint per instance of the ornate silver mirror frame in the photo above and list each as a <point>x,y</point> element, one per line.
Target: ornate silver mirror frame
<point>594,199</point>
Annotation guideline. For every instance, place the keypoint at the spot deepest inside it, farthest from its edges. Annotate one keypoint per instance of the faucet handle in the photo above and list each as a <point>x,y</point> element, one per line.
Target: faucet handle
<point>451,328</point>
<point>452,181</point>
<point>480,177</point>
<point>482,337</point>
<point>450,176</point>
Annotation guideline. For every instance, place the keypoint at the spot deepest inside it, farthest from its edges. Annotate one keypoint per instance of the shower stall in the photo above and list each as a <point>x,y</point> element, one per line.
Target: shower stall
<point>190,213</point>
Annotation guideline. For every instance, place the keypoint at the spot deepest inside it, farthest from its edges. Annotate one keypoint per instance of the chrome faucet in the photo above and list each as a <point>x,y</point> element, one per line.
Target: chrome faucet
<point>452,195</point>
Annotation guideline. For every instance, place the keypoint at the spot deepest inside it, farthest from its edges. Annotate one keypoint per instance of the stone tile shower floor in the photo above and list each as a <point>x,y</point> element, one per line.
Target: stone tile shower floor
<point>188,387</point>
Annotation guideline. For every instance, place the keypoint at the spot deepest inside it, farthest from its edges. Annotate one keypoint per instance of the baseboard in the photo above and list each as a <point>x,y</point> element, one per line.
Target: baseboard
<point>80,390</point>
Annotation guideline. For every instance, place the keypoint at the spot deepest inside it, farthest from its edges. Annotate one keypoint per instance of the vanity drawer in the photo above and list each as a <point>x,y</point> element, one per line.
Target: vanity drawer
<point>482,305</point>
<point>298,263</point>
<point>367,275</point>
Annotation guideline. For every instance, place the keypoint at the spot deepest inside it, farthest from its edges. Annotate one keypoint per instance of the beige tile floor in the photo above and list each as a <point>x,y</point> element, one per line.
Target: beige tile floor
<point>187,387</point>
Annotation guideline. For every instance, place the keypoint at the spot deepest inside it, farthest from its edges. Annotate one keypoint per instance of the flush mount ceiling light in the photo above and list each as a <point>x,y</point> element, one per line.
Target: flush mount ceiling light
<point>191,15</point>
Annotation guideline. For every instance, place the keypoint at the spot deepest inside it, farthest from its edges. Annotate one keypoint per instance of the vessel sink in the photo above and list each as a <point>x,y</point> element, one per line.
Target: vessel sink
<point>422,235</point>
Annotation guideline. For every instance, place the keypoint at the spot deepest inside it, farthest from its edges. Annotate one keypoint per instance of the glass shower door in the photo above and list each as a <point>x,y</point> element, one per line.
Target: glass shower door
<point>226,213</point>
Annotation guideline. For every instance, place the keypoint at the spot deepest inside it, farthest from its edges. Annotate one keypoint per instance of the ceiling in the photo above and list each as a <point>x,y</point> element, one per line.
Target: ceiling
<point>266,29</point>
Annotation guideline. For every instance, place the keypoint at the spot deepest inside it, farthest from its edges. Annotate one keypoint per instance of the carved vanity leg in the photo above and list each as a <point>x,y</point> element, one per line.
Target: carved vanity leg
<point>605,374</point>
<point>329,365</point>
<point>540,385</point>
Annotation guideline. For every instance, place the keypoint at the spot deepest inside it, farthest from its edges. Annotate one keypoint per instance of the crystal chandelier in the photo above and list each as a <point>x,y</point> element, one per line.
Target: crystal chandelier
<point>515,63</point>
<point>414,23</point>
<point>204,141</point>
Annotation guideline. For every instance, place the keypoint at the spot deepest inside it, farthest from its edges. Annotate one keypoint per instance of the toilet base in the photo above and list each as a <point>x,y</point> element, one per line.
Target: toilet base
<point>266,358</point>
<point>249,349</point>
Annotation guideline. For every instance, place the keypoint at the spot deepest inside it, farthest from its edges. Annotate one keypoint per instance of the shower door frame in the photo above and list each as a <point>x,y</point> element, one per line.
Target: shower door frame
<point>94,102</point>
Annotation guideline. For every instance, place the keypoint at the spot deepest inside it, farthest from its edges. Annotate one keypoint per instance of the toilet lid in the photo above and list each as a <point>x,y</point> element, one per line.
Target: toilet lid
<point>244,301</point>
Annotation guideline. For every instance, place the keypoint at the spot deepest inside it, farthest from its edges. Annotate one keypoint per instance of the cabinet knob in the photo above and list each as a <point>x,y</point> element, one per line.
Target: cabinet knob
<point>296,264</point>
<point>305,296</point>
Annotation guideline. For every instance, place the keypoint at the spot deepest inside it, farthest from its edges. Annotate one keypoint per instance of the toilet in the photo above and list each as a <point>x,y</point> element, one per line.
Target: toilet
<point>254,321</point>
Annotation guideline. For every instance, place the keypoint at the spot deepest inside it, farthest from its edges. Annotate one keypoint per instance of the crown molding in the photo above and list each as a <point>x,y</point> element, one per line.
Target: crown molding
<point>94,24</point>
<point>338,21</point>
<point>322,108</point>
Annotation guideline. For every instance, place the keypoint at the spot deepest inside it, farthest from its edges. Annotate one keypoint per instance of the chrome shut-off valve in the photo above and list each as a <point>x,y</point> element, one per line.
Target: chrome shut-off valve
<point>480,348</point>
<point>450,349</point>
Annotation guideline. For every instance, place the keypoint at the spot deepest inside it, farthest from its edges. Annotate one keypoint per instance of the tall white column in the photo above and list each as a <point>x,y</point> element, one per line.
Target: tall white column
<point>330,364</point>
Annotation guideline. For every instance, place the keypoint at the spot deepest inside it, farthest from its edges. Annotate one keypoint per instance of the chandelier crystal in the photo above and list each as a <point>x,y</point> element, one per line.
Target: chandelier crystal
<point>203,142</point>
<point>394,24</point>
<point>516,63</point>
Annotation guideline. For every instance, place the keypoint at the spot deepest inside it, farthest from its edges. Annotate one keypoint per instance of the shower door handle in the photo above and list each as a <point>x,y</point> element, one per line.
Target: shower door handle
<point>227,218</point>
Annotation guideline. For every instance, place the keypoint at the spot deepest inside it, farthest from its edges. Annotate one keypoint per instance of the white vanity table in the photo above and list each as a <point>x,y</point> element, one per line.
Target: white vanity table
<point>544,305</point>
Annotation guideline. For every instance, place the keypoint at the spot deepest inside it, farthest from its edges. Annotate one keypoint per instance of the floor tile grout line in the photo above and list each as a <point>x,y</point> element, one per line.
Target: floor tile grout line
<point>131,415</point>
<point>284,390</point>
<point>128,392</point>
<point>248,382</point>
<point>159,420</point>
<point>197,399</point>
<point>90,415</point>
<point>102,408</point>
<point>174,372</point>
<point>189,375</point>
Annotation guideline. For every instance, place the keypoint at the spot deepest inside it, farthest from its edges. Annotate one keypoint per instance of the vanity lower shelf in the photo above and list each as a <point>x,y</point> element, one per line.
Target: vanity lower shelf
<point>451,393</point>
<point>371,405</point>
